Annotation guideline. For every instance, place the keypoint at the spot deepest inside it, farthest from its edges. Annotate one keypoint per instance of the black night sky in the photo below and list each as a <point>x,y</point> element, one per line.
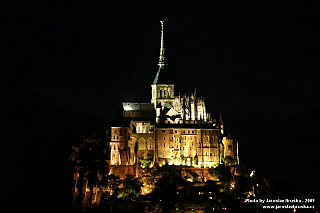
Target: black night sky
<point>67,66</point>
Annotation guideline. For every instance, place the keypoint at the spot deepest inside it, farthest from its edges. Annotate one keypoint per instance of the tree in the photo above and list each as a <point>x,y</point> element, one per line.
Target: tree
<point>110,183</point>
<point>243,171</point>
<point>114,182</point>
<point>131,188</point>
<point>229,161</point>
<point>146,163</point>
<point>222,158</point>
<point>223,172</point>
<point>166,186</point>
<point>194,175</point>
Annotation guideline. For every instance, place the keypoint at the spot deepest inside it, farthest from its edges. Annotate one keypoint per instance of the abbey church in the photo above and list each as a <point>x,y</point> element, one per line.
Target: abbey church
<point>171,129</point>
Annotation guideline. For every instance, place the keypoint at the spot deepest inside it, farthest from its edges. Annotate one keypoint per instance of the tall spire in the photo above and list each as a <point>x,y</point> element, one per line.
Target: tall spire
<point>164,78</point>
<point>162,49</point>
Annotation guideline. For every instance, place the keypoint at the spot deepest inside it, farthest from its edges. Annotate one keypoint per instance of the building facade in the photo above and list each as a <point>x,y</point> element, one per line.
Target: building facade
<point>174,130</point>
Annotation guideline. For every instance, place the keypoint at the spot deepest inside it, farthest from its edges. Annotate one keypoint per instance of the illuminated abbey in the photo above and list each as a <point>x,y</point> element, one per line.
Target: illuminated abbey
<point>173,130</point>
<point>169,130</point>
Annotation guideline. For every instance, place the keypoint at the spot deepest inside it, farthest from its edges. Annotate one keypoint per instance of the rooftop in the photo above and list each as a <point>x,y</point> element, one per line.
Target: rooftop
<point>130,106</point>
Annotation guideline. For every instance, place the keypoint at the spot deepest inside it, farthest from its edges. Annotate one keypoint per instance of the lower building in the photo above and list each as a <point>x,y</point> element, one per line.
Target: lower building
<point>198,145</point>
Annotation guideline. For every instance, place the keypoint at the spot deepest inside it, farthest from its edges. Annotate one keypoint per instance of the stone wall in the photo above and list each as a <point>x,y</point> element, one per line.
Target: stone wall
<point>203,173</point>
<point>122,170</point>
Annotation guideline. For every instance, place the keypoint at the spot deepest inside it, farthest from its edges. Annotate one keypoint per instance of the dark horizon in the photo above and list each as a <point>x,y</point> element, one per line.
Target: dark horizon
<point>68,66</point>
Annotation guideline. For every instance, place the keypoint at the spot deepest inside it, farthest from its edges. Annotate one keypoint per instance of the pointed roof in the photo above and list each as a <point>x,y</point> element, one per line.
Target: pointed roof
<point>164,77</point>
<point>172,112</point>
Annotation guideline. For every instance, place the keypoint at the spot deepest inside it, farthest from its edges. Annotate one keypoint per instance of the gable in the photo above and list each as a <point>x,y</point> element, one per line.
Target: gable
<point>172,112</point>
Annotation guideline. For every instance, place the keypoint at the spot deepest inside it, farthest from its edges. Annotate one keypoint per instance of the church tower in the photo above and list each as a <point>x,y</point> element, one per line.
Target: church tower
<point>162,89</point>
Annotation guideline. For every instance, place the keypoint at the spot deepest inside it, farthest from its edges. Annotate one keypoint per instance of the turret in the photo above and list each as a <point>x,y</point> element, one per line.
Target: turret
<point>220,124</point>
